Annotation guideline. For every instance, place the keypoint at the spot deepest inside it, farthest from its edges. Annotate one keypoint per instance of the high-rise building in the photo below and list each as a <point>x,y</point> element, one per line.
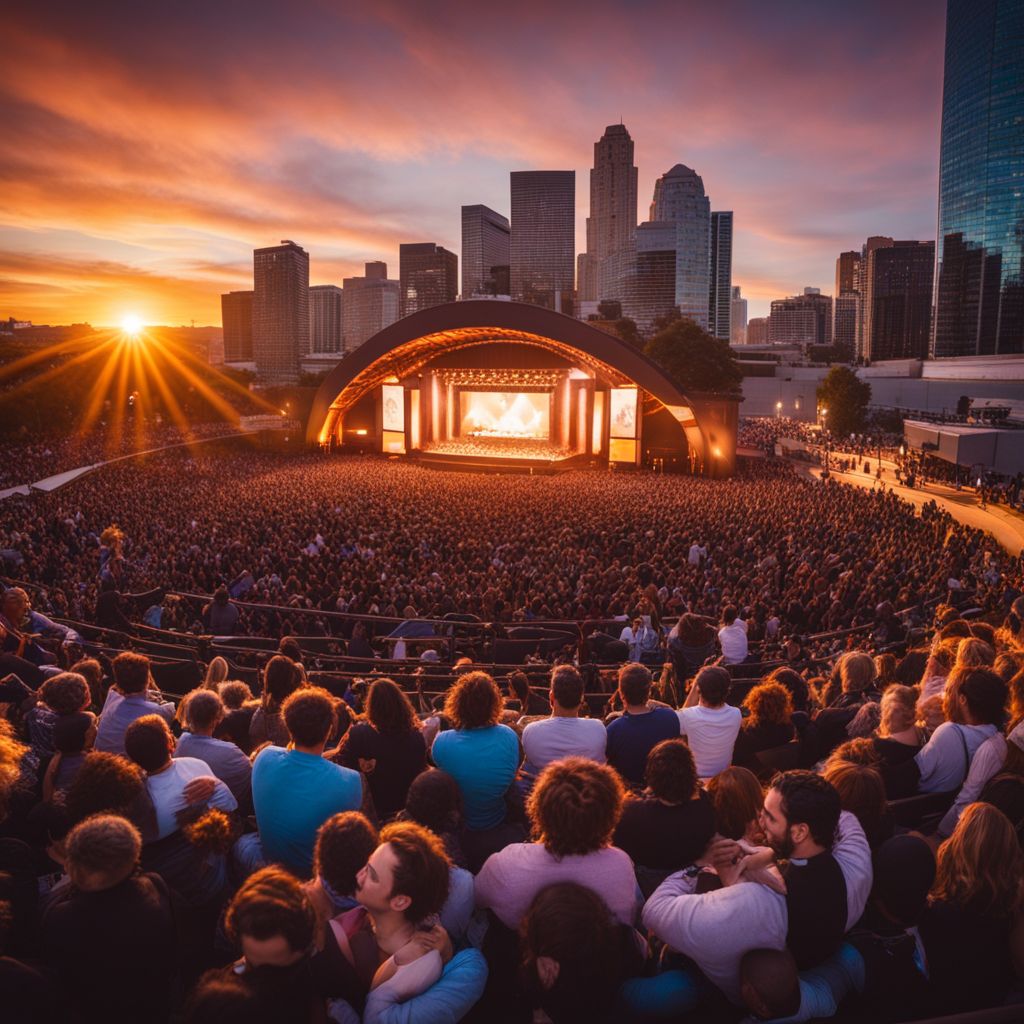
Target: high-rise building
<point>485,245</point>
<point>845,304</point>
<point>236,318</point>
<point>649,290</point>
<point>979,278</point>
<point>280,311</point>
<point>611,226</point>
<point>679,198</point>
<point>860,280</point>
<point>757,330</point>
<point>325,320</point>
<point>737,318</point>
<point>369,304</point>
<point>801,319</point>
<point>542,261</point>
<point>428,274</point>
<point>720,288</point>
<point>897,300</point>
<point>846,271</point>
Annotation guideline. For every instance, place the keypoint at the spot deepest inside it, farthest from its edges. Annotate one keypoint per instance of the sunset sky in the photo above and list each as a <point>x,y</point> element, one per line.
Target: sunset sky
<point>149,148</point>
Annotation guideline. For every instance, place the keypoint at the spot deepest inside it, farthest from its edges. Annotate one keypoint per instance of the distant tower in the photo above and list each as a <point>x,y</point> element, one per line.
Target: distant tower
<point>720,290</point>
<point>428,275</point>
<point>485,246</point>
<point>738,318</point>
<point>325,319</point>
<point>542,267</point>
<point>369,304</point>
<point>236,319</point>
<point>280,311</point>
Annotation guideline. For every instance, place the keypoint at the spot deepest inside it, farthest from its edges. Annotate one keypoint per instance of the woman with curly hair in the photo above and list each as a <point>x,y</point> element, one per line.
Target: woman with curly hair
<point>973,926</point>
<point>768,724</point>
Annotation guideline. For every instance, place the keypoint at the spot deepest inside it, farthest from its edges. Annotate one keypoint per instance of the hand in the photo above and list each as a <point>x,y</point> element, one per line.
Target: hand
<point>420,944</point>
<point>768,876</point>
<point>200,789</point>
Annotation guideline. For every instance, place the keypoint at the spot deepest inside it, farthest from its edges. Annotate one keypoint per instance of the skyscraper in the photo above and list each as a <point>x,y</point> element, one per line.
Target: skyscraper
<point>650,285</point>
<point>757,330</point>
<point>485,246</point>
<point>280,311</point>
<point>801,319</point>
<point>325,321</point>
<point>679,199</point>
<point>979,287</point>
<point>611,226</point>
<point>542,267</point>
<point>720,289</point>
<point>897,300</point>
<point>428,275</point>
<point>846,271</point>
<point>369,304</point>
<point>845,305</point>
<point>236,319</point>
<point>860,279</point>
<point>737,318</point>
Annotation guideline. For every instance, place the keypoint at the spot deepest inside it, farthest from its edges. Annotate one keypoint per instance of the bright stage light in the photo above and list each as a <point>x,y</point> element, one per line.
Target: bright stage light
<point>131,325</point>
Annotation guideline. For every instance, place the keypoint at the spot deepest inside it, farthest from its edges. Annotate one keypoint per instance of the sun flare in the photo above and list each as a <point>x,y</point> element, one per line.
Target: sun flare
<point>131,325</point>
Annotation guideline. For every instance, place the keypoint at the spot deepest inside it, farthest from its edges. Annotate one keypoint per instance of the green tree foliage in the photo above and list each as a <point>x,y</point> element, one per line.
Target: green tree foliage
<point>628,332</point>
<point>846,397</point>
<point>694,359</point>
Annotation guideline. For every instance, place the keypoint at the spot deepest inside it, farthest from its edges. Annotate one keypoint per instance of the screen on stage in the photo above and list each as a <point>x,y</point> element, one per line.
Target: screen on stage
<point>623,412</point>
<point>393,407</point>
<point>505,414</point>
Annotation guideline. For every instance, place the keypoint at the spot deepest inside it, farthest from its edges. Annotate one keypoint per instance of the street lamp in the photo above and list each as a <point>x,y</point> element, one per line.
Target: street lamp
<point>778,409</point>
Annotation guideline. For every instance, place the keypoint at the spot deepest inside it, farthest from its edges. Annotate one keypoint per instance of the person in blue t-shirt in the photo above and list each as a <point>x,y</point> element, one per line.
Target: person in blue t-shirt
<point>641,727</point>
<point>295,790</point>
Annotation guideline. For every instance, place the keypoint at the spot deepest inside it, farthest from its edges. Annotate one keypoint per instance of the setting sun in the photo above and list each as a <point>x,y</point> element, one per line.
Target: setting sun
<point>131,324</point>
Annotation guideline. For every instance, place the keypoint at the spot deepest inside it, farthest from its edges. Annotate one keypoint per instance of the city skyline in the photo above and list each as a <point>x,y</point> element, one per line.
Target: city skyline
<point>143,179</point>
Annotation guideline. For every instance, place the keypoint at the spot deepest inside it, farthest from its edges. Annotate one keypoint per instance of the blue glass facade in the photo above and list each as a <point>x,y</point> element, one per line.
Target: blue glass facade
<point>979,281</point>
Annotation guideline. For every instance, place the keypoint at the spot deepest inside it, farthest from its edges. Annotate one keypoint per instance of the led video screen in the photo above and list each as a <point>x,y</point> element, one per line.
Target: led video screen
<point>505,414</point>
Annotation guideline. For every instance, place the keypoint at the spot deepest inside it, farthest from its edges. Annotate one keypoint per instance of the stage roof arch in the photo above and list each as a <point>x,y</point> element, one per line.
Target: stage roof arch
<point>401,349</point>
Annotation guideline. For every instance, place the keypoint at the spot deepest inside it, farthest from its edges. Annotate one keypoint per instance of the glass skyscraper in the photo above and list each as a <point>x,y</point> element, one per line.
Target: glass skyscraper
<point>979,280</point>
<point>543,262</point>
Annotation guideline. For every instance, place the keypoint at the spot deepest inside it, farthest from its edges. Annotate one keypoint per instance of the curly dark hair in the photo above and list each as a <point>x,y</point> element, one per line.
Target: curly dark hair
<point>388,707</point>
<point>434,800</point>
<point>769,704</point>
<point>422,868</point>
<point>65,693</point>
<point>473,702</point>
<point>575,806</point>
<point>343,845</point>
<point>104,783</point>
<point>309,715</point>
<point>671,774</point>
<point>271,902</point>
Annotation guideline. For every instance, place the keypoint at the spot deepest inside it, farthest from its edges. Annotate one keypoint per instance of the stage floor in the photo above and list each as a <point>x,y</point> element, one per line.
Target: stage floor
<point>500,448</point>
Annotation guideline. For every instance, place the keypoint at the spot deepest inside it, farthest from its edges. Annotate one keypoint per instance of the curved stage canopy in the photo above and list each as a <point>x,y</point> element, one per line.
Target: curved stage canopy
<point>409,346</point>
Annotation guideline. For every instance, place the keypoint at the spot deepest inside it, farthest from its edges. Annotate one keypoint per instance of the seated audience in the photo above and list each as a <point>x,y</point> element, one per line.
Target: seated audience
<point>709,724</point>
<point>204,712</point>
<point>769,723</point>
<point>131,697</point>
<point>737,801</point>
<point>641,726</point>
<point>281,678</point>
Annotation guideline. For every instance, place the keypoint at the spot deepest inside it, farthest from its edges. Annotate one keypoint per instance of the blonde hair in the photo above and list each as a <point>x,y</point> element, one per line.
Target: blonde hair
<point>216,673</point>
<point>11,753</point>
<point>856,671</point>
<point>899,709</point>
<point>974,653</point>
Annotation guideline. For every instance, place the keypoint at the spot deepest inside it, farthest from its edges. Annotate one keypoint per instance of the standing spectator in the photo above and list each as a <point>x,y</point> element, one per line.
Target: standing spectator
<point>131,697</point>
<point>708,723</point>
<point>221,615</point>
<point>640,728</point>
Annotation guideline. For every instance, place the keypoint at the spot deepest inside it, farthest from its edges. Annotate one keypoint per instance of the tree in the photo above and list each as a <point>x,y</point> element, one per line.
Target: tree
<point>694,359</point>
<point>846,398</point>
<point>609,309</point>
<point>628,332</point>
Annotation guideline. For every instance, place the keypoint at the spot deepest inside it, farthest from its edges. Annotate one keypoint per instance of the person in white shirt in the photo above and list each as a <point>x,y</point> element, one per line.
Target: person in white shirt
<point>733,637</point>
<point>697,554</point>
<point>564,734</point>
<point>708,723</point>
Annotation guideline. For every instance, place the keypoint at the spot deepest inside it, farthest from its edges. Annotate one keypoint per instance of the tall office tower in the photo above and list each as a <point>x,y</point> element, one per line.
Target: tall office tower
<point>737,318</point>
<point>860,281</point>
<point>325,325</point>
<point>979,292</point>
<point>611,226</point>
<point>369,304</point>
<point>720,290</point>
<point>801,319</point>
<point>898,300</point>
<point>846,271</point>
<point>757,330</point>
<point>542,261</point>
<point>236,318</point>
<point>280,311</point>
<point>844,307</point>
<point>428,274</point>
<point>650,283</point>
<point>679,198</point>
<point>485,244</point>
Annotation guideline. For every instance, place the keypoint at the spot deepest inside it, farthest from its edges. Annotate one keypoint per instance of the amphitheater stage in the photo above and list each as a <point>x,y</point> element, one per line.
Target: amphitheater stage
<point>499,455</point>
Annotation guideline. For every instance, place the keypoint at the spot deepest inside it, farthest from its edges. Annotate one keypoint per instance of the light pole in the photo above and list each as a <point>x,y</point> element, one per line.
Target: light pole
<point>778,409</point>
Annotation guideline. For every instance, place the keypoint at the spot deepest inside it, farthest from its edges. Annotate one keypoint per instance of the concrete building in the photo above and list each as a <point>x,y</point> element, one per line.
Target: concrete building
<point>542,252</point>
<point>325,319</point>
<point>737,318</point>
<point>280,311</point>
<point>801,319</point>
<point>897,301</point>
<point>236,319</point>
<point>860,280</point>
<point>428,274</point>
<point>369,304</point>
<point>486,236</point>
<point>720,288</point>
<point>757,330</point>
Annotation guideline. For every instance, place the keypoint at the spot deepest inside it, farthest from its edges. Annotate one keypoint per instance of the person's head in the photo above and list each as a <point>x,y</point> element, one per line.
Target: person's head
<point>216,672</point>
<point>980,866</point>
<point>434,801</point>
<point>92,672</point>
<point>1007,665</point>
<point>770,983</point>
<point>931,712</point>
<point>954,629</point>
<point>344,844</point>
<point>571,952</point>
<point>792,681</point>
<point>713,683</point>
<point>290,649</point>
<point>566,687</point>
<point>670,773</point>
<point>519,688</point>
<point>904,870</point>
<point>105,783</point>
<point>149,743</point>
<point>737,798</point>
<point>388,708</point>
<point>12,752</point>
<point>975,695</point>
<point>66,693</point>
<point>16,605</point>
<point>220,998</point>
<point>635,684</point>
<point>856,671</point>
<point>885,670</point>
<point>280,679</point>
<point>866,721</point>
<point>861,792</point>
<point>73,734</point>
<point>203,710</point>
<point>131,672</point>
<point>984,631</point>
<point>769,704</point>
<point>234,693</point>
<point>309,716</point>
<point>271,919</point>
<point>220,597</point>
<point>899,709</point>
<point>800,814</point>
<point>974,653</point>
<point>575,806</point>
<point>728,615</point>
<point>473,702</point>
<point>102,852</point>
<point>408,873</point>
<point>860,750</point>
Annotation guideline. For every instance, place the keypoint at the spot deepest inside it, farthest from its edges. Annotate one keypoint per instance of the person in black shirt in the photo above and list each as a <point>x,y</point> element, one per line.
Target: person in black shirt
<point>769,724</point>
